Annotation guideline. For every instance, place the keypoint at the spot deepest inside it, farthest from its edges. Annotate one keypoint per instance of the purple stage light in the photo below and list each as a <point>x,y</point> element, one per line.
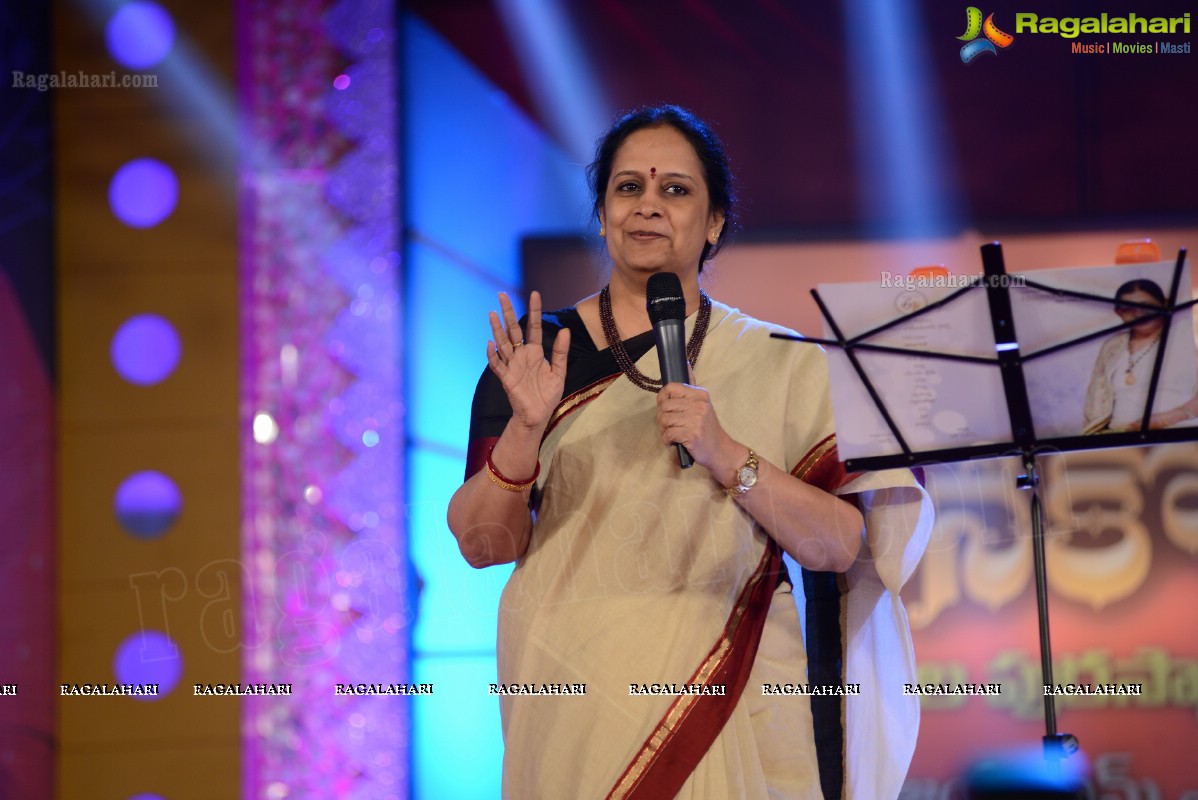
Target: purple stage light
<point>140,34</point>
<point>145,350</point>
<point>143,192</point>
<point>148,657</point>
<point>147,504</point>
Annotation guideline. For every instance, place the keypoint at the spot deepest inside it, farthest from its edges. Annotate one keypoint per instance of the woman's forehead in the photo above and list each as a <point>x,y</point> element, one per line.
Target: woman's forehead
<point>661,148</point>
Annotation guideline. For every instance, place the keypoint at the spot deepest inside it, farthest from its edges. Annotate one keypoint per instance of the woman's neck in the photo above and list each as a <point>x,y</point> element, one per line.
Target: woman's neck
<point>1140,338</point>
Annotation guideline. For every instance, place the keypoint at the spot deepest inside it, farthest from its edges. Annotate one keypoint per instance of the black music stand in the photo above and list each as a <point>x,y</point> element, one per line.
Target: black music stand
<point>1009,360</point>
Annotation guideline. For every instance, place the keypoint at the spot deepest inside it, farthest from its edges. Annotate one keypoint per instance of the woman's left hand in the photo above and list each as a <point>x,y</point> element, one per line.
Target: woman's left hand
<point>686,416</point>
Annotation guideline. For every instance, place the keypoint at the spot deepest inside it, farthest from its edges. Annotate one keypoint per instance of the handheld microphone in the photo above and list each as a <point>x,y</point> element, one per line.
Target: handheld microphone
<point>667,312</point>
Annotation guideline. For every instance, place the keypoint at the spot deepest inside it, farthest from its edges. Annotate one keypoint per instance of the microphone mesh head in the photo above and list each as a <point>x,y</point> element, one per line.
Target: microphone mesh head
<point>663,297</point>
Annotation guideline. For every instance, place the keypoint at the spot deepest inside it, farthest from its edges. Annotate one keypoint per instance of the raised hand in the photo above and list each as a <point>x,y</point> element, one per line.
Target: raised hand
<point>533,383</point>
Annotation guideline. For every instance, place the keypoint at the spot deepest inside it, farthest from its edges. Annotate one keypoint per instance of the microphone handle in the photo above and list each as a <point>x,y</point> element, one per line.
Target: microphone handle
<point>671,356</point>
<point>684,458</point>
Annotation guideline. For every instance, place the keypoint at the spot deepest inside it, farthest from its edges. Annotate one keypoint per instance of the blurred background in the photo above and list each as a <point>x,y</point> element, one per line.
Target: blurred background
<point>247,249</point>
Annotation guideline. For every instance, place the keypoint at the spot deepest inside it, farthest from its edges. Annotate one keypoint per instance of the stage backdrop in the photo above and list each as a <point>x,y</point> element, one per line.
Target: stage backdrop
<point>1122,553</point>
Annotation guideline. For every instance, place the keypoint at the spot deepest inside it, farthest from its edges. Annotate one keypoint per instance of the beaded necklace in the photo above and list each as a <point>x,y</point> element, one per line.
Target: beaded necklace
<point>624,361</point>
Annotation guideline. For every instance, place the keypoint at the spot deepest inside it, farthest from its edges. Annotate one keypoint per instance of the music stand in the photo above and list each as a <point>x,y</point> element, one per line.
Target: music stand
<point>1010,360</point>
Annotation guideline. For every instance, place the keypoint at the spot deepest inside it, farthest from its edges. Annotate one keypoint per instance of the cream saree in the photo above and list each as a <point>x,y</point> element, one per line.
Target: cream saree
<point>1112,403</point>
<point>641,574</point>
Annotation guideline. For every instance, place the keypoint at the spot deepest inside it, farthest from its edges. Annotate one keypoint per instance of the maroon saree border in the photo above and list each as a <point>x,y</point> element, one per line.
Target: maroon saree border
<point>682,737</point>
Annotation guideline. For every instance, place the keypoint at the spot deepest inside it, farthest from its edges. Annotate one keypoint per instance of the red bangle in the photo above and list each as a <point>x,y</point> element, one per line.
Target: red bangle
<point>505,482</point>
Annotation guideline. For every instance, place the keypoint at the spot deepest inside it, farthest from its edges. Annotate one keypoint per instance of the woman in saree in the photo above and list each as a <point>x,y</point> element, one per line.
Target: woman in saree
<point>662,590</point>
<point>1118,389</point>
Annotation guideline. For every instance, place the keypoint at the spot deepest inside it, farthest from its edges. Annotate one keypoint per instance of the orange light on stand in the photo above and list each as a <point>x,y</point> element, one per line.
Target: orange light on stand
<point>1138,251</point>
<point>930,271</point>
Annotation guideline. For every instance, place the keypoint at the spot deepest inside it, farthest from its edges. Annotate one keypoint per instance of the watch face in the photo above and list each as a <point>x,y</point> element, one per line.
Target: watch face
<point>747,477</point>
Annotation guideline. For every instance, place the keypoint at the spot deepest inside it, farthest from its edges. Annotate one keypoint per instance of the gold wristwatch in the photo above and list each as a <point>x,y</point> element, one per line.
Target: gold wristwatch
<point>746,477</point>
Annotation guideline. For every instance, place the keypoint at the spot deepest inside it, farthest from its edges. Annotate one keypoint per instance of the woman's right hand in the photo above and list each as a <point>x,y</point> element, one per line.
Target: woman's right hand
<point>533,384</point>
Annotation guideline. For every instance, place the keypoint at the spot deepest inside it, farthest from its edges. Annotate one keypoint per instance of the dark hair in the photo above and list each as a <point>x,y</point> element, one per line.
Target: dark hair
<point>707,146</point>
<point>1141,285</point>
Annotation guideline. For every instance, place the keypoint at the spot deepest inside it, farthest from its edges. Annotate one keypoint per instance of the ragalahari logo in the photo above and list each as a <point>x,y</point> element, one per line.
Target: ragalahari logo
<point>974,46</point>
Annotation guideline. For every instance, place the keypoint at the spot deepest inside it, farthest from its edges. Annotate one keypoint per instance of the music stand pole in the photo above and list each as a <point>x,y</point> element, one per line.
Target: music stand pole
<point>1056,745</point>
<point>1010,364</point>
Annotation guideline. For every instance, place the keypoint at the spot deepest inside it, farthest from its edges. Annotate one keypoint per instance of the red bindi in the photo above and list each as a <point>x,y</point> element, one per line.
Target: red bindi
<point>652,173</point>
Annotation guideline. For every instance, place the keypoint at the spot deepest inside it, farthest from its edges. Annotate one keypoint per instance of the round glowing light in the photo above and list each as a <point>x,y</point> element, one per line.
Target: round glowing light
<point>145,349</point>
<point>143,192</point>
<point>370,438</point>
<point>147,796</point>
<point>140,34</point>
<point>341,82</point>
<point>147,504</point>
<point>313,494</point>
<point>148,657</point>
<point>266,430</point>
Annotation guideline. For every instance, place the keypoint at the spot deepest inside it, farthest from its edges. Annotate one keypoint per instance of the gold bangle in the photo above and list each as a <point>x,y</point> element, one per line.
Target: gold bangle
<point>504,482</point>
